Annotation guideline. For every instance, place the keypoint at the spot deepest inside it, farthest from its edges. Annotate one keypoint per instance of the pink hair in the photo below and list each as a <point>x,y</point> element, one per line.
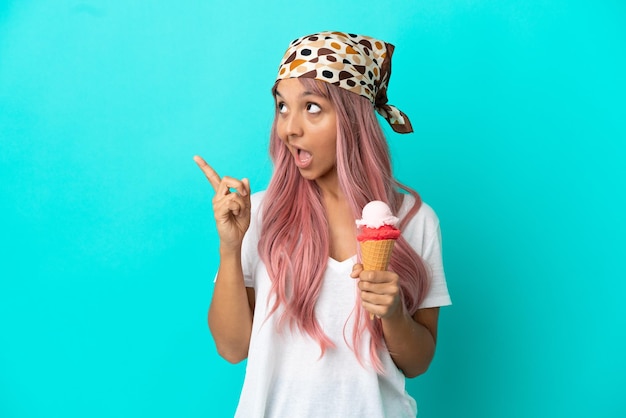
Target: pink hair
<point>293,209</point>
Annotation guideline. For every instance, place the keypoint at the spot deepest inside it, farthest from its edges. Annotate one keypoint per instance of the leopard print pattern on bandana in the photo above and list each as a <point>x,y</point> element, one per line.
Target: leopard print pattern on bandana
<point>356,63</point>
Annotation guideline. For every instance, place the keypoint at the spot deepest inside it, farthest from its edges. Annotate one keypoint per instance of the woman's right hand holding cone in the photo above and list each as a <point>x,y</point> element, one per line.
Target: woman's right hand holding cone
<point>231,208</point>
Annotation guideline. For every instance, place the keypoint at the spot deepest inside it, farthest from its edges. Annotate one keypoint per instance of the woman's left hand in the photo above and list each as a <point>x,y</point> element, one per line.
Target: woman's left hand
<point>380,291</point>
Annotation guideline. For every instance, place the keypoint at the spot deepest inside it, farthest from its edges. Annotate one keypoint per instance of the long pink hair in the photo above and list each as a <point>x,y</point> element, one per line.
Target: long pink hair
<point>295,248</point>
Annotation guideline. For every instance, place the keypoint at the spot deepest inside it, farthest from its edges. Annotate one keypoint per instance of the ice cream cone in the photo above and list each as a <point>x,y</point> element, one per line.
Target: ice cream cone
<point>375,254</point>
<point>378,236</point>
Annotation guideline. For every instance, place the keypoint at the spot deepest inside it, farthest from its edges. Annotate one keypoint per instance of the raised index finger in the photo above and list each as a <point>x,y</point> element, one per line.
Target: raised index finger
<point>208,171</point>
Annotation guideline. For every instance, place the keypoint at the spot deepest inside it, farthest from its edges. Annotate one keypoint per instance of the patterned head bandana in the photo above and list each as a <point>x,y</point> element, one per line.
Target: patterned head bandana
<point>356,63</point>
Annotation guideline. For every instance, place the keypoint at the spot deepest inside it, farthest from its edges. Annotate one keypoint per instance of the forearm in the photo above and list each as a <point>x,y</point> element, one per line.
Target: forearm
<point>410,343</point>
<point>230,314</point>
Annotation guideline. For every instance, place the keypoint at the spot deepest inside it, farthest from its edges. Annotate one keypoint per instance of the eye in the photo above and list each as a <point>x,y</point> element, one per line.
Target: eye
<point>313,108</point>
<point>281,107</point>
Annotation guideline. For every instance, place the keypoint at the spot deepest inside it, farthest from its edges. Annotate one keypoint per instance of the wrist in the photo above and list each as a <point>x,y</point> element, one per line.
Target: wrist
<point>398,316</point>
<point>227,251</point>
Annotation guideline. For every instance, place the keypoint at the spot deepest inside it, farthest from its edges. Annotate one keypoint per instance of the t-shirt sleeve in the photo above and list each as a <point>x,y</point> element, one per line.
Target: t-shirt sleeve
<point>424,234</point>
<point>438,290</point>
<point>248,253</point>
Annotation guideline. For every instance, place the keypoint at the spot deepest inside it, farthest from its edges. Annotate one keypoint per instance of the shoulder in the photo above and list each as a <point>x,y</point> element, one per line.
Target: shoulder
<point>256,199</point>
<point>422,230</point>
<point>254,230</point>
<point>425,215</point>
<point>256,203</point>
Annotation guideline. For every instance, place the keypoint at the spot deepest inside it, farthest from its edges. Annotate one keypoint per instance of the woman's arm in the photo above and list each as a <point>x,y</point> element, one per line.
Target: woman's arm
<point>231,311</point>
<point>230,314</point>
<point>410,340</point>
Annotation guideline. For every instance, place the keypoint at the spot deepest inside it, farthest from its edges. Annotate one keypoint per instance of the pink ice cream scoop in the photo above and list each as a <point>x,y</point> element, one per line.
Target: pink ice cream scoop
<point>377,223</point>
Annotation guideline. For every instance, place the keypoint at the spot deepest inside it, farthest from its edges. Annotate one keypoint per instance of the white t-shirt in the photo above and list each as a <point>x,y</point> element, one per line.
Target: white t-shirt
<point>285,375</point>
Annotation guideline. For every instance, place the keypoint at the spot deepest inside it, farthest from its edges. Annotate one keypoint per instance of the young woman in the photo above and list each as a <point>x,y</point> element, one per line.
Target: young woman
<point>322,336</point>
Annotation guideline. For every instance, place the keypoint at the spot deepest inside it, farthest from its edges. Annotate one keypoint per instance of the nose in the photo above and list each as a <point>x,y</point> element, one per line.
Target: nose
<point>292,125</point>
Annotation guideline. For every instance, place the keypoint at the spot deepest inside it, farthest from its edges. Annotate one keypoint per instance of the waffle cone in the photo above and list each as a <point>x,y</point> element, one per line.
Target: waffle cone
<point>375,254</point>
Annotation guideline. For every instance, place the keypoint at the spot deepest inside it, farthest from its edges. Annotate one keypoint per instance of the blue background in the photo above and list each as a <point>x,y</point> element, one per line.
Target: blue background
<point>107,244</point>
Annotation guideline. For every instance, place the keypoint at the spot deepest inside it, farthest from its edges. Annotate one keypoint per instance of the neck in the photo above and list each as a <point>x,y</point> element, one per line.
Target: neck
<point>341,226</point>
<point>329,186</point>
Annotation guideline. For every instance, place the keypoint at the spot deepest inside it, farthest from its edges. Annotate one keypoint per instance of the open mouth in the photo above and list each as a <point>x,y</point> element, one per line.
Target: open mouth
<point>303,158</point>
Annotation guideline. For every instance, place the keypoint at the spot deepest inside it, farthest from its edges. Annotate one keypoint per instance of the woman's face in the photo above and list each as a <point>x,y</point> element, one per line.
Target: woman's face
<point>307,124</point>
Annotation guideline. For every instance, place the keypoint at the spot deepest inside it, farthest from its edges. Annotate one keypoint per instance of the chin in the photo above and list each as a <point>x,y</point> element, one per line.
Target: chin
<point>308,175</point>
